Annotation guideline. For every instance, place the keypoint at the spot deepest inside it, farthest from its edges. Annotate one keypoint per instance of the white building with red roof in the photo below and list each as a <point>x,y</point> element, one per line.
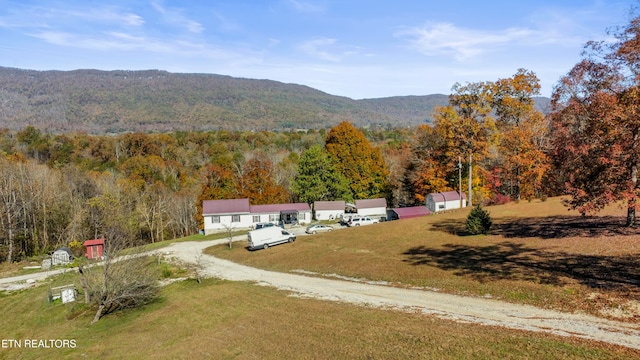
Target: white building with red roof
<point>447,200</point>
<point>221,215</point>
<point>328,210</point>
<point>372,207</point>
<point>292,213</point>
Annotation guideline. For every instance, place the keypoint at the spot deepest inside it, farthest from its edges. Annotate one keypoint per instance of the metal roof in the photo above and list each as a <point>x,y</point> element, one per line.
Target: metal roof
<point>371,203</point>
<point>94,242</point>
<point>276,208</point>
<point>411,212</point>
<point>446,196</point>
<point>329,205</point>
<point>227,206</point>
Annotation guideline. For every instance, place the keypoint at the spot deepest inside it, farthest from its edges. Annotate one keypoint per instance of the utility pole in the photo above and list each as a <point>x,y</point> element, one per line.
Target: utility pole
<point>460,180</point>
<point>469,203</point>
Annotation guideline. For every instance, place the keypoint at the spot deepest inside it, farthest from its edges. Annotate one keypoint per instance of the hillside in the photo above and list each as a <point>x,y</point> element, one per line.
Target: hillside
<point>115,101</point>
<point>99,102</point>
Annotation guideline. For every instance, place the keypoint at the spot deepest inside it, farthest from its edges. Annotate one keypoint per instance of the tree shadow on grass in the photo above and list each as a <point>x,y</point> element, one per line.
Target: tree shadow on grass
<point>518,262</point>
<point>550,227</point>
<point>513,261</point>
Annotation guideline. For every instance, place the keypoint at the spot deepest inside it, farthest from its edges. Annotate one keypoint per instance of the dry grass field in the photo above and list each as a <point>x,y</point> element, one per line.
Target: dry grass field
<point>538,253</point>
<point>235,320</point>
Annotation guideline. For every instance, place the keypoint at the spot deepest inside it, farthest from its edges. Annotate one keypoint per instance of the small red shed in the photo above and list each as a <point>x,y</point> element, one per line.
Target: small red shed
<point>94,248</point>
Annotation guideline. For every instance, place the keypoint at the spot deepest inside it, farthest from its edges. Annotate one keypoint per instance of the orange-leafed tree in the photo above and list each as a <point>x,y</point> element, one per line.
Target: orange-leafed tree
<point>258,183</point>
<point>218,183</point>
<point>359,162</point>
<point>143,170</point>
<point>521,131</point>
<point>467,129</point>
<point>426,171</point>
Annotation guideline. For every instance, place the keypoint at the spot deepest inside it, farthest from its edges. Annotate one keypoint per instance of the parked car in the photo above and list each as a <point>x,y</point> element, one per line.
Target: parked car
<point>314,229</point>
<point>361,220</point>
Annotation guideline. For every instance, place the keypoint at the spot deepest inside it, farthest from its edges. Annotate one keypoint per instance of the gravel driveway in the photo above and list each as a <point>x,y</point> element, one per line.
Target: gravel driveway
<point>445,306</point>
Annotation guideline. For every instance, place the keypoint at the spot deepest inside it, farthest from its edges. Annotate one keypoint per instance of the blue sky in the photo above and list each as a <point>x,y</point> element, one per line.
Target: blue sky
<point>354,48</point>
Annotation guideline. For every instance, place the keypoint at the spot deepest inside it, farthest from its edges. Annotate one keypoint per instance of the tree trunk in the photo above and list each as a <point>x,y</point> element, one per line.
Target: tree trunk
<point>98,314</point>
<point>631,207</point>
<point>10,255</point>
<point>83,284</point>
<point>631,213</point>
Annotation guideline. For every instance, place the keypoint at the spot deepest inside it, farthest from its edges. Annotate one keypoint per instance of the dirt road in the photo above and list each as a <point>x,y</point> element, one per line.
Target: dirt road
<point>445,306</point>
<point>458,308</point>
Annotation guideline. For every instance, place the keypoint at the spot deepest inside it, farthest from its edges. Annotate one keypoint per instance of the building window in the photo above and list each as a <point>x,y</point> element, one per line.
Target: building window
<point>215,219</point>
<point>273,218</point>
<point>256,218</point>
<point>235,218</point>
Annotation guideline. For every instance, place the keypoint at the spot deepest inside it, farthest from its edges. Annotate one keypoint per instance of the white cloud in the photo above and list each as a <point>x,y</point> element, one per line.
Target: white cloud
<point>175,17</point>
<point>316,48</point>
<point>38,17</point>
<point>463,44</point>
<point>306,6</point>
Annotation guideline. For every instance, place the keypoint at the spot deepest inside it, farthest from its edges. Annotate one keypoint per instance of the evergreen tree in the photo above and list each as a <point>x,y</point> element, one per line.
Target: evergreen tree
<point>479,221</point>
<point>317,178</point>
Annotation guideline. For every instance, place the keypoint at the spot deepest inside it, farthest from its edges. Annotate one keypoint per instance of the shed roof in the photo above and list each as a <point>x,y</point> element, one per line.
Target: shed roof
<point>371,203</point>
<point>94,242</point>
<point>226,206</point>
<point>329,205</point>
<point>64,249</point>
<point>446,196</point>
<point>411,212</point>
<point>277,208</point>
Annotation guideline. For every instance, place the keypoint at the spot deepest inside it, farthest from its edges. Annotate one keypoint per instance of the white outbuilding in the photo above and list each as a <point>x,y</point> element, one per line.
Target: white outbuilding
<point>372,207</point>
<point>447,200</point>
<point>62,256</point>
<point>328,210</point>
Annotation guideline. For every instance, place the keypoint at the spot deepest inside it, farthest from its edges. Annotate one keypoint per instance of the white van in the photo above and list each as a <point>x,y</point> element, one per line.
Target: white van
<point>268,236</point>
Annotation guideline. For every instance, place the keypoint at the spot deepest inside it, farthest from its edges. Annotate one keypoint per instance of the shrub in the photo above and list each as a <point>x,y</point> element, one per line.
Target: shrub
<point>499,199</point>
<point>77,248</point>
<point>478,221</point>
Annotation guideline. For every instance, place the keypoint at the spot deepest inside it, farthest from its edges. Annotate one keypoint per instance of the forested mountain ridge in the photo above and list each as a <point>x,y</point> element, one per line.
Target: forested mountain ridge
<point>95,101</point>
<point>116,101</point>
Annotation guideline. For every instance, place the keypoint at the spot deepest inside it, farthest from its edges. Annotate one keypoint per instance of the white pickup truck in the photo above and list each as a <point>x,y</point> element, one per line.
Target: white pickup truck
<point>268,236</point>
<point>361,220</point>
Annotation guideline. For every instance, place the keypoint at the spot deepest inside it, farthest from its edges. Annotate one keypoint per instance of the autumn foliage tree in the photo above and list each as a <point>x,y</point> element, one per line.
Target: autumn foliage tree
<point>218,183</point>
<point>521,131</point>
<point>258,183</point>
<point>359,162</point>
<point>596,124</point>
<point>427,171</point>
<point>467,129</point>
